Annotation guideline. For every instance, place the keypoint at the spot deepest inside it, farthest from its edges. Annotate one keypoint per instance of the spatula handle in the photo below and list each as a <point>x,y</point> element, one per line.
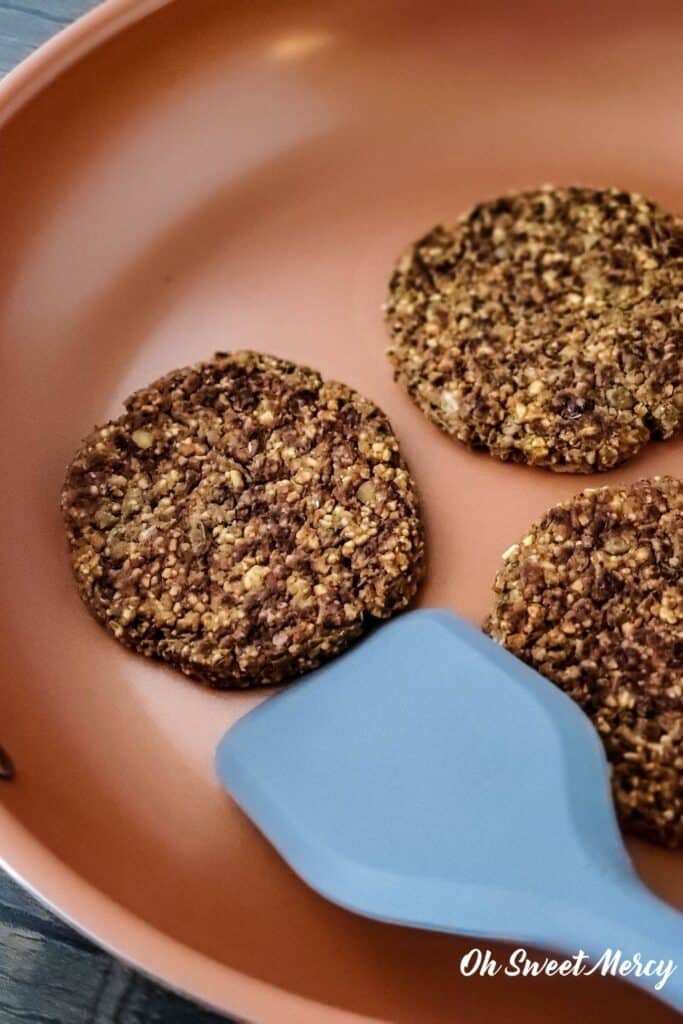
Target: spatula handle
<point>630,919</point>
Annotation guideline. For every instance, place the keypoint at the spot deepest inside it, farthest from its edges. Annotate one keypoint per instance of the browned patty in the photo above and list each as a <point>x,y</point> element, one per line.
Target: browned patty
<point>244,520</point>
<point>592,598</point>
<point>546,327</point>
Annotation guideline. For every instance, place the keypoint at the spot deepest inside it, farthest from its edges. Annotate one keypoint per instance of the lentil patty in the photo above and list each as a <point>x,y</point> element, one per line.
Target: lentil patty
<point>546,327</point>
<point>592,598</point>
<point>244,520</point>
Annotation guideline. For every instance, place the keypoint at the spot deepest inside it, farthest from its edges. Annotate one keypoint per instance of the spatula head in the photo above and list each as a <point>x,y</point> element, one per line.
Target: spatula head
<point>428,777</point>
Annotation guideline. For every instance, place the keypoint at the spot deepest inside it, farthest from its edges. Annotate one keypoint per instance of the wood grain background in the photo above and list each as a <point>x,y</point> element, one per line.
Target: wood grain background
<point>49,974</point>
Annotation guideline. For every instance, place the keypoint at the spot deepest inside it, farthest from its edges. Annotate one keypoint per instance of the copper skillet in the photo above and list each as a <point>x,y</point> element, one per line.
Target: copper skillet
<point>182,176</point>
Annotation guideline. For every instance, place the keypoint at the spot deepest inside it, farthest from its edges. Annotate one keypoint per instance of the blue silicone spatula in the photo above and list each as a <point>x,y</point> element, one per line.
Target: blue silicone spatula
<point>429,778</point>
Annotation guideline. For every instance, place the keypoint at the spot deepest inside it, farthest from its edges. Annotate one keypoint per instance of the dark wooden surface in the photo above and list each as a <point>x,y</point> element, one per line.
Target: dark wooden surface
<point>49,974</point>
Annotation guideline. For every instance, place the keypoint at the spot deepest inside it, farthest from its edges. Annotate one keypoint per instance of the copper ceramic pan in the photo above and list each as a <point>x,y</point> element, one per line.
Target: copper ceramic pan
<point>177,177</point>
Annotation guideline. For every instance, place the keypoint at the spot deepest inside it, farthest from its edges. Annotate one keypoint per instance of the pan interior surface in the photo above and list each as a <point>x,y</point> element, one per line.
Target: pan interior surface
<point>220,176</point>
